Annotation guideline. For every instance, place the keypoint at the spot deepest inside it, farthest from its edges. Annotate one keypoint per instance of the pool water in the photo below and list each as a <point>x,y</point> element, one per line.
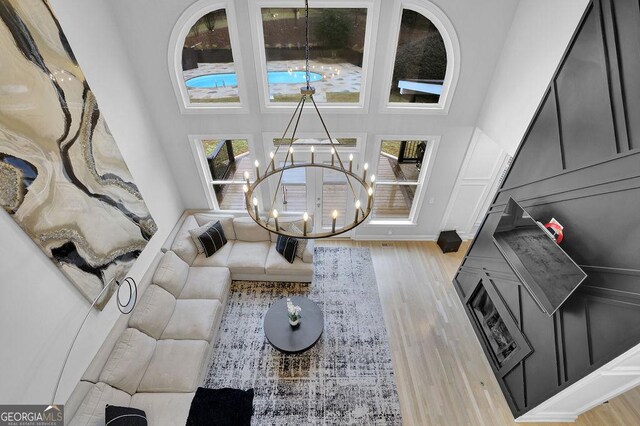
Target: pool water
<point>230,79</point>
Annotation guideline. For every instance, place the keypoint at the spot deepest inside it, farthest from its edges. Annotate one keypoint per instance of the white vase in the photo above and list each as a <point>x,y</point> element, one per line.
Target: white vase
<point>294,323</point>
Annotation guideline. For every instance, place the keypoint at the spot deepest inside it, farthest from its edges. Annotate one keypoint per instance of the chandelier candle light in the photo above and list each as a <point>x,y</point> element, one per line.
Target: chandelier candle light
<point>270,222</point>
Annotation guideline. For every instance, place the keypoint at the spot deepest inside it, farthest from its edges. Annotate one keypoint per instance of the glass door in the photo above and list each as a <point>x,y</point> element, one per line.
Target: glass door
<point>293,195</point>
<point>318,191</point>
<point>332,194</point>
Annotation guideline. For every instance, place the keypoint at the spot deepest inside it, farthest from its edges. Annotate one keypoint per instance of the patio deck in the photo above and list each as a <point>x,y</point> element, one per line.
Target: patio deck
<point>392,201</point>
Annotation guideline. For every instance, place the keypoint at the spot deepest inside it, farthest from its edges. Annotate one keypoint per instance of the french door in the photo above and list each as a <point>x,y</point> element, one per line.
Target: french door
<point>316,190</point>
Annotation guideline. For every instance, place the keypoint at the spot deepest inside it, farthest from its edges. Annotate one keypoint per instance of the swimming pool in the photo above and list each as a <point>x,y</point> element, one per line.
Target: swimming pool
<point>230,79</point>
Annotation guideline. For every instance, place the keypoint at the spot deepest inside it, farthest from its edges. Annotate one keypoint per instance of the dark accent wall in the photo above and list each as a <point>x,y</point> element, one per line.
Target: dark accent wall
<point>580,163</point>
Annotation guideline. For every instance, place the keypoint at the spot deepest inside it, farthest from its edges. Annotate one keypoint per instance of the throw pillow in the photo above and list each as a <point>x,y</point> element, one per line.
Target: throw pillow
<point>221,407</point>
<point>287,247</point>
<point>124,416</point>
<point>302,243</point>
<point>212,239</point>
<point>196,232</point>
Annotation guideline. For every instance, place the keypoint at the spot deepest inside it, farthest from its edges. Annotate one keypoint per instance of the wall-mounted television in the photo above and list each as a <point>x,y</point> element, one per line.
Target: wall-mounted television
<point>548,273</point>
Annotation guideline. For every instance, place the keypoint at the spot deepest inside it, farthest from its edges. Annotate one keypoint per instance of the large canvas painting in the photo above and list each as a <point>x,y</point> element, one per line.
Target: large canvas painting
<point>62,177</point>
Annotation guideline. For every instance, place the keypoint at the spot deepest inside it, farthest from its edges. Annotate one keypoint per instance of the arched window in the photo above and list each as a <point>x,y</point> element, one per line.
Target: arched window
<point>207,60</point>
<point>425,55</point>
<point>201,58</point>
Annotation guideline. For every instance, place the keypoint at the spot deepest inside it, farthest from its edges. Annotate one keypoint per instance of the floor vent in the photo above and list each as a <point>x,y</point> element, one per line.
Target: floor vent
<point>388,245</point>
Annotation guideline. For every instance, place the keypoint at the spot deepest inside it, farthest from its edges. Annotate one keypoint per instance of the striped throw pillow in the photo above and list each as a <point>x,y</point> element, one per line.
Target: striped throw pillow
<point>124,416</point>
<point>212,239</point>
<point>287,247</point>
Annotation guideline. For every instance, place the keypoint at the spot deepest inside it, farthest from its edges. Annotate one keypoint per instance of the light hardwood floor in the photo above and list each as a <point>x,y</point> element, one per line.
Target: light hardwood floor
<point>442,375</point>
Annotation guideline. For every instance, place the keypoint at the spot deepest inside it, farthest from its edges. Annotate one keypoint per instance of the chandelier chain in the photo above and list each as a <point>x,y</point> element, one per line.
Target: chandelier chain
<point>353,191</point>
<point>306,43</point>
<point>286,158</point>
<point>307,94</point>
<point>272,162</point>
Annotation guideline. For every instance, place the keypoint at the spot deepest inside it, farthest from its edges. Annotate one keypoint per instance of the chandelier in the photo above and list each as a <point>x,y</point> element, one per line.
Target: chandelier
<point>270,219</point>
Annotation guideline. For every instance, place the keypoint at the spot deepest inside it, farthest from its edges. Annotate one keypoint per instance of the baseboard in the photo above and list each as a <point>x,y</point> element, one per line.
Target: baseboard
<point>547,418</point>
<point>395,238</point>
<point>468,236</point>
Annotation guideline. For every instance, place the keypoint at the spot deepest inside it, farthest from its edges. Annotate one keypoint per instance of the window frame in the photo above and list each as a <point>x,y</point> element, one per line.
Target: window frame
<point>269,146</point>
<point>452,46</point>
<point>423,180</point>
<point>180,30</point>
<point>203,168</point>
<point>266,106</point>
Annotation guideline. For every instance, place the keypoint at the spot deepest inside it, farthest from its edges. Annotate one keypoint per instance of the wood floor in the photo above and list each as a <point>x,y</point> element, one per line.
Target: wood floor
<point>442,375</point>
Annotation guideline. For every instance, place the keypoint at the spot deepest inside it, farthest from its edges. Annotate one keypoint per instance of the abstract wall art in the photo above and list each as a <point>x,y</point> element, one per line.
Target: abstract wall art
<point>62,178</point>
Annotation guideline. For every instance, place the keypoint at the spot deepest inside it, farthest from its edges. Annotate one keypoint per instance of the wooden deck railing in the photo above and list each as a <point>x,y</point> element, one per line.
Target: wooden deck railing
<point>411,151</point>
<point>221,162</point>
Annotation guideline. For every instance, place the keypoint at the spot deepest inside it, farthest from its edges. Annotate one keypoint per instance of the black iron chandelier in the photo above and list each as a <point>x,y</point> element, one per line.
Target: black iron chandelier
<point>269,220</point>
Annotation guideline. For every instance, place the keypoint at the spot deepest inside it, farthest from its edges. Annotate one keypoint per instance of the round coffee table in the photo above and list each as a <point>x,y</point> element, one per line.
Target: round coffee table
<point>293,339</point>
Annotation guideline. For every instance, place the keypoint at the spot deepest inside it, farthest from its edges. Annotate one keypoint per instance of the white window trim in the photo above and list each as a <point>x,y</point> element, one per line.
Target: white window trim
<point>266,106</point>
<point>182,27</point>
<point>452,46</point>
<point>195,141</point>
<point>423,180</point>
<point>268,138</point>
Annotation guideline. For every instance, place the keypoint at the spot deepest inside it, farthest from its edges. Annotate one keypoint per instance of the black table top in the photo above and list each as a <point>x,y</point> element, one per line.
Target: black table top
<point>293,339</point>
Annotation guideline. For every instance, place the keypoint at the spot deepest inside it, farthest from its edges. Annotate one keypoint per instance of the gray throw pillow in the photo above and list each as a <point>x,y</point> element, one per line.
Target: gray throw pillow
<point>302,242</point>
<point>196,232</point>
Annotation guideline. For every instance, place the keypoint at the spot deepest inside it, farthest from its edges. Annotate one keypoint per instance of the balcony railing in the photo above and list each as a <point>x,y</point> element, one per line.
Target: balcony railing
<point>221,162</point>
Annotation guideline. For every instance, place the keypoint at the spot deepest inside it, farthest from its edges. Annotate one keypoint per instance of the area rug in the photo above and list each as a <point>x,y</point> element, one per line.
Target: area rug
<point>346,378</point>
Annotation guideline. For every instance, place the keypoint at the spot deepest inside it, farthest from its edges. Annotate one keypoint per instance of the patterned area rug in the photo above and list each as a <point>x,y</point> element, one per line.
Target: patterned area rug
<point>346,378</point>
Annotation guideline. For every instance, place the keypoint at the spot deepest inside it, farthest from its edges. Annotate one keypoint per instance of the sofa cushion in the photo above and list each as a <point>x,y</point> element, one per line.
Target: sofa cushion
<point>164,408</point>
<point>182,244</point>
<point>247,230</point>
<point>176,366</point>
<point>220,258</point>
<point>226,220</point>
<point>212,239</point>
<point>92,408</point>
<point>248,257</point>
<point>171,273</point>
<point>128,360</point>
<point>154,311</point>
<point>278,265</point>
<point>207,283</point>
<point>193,320</point>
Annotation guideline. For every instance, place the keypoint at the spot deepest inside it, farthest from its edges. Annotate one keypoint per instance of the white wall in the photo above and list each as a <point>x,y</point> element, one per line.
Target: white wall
<point>481,28</point>
<point>476,185</point>
<point>539,35</point>
<point>40,308</point>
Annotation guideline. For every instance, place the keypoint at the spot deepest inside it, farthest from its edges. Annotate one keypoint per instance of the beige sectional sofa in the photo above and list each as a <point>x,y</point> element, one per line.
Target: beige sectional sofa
<point>155,358</point>
<point>250,253</point>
